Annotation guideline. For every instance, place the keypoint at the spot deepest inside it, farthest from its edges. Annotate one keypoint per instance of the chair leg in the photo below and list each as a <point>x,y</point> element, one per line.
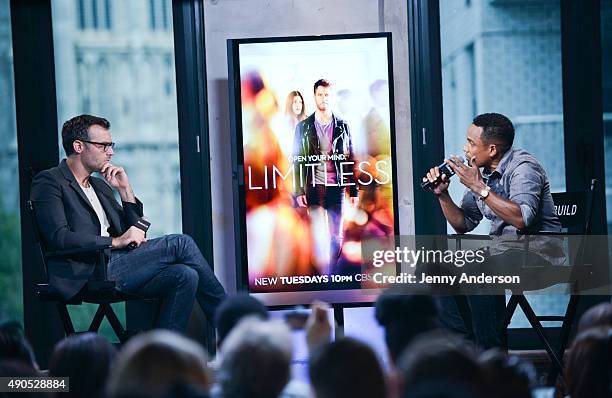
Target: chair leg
<point>65,318</point>
<point>566,328</point>
<point>97,319</point>
<point>115,323</point>
<point>510,309</point>
<point>508,313</point>
<point>537,326</point>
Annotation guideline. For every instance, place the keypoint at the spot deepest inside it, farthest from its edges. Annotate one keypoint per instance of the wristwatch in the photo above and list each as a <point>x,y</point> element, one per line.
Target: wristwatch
<point>484,192</point>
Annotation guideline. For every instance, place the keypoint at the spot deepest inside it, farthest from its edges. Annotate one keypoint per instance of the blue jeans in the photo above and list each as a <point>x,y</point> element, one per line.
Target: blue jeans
<point>486,313</point>
<point>172,269</point>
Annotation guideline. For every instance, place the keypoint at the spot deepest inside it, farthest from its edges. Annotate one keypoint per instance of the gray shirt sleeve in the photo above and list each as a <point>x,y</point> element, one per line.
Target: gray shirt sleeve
<point>526,190</point>
<point>471,212</point>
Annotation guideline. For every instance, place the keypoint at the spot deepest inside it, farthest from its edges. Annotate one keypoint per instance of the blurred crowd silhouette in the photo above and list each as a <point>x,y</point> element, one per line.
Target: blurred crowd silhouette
<point>255,356</point>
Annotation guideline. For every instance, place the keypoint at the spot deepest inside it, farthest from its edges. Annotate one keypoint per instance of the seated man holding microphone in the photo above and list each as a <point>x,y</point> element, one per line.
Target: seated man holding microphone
<point>510,188</point>
<point>75,209</point>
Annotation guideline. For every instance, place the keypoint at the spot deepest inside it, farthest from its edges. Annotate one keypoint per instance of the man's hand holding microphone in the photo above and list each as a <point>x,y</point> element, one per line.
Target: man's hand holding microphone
<point>438,181</point>
<point>437,178</point>
<point>131,239</point>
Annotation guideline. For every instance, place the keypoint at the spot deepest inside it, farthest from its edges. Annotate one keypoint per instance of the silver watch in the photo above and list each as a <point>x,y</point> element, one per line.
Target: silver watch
<point>484,192</point>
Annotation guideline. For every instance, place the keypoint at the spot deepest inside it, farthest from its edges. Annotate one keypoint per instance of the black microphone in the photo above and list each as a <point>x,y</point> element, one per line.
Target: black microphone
<point>143,224</point>
<point>445,170</point>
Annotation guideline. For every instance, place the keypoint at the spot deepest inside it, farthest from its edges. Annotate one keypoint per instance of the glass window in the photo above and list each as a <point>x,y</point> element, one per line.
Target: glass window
<point>166,14</point>
<point>505,56</point>
<point>606,69</point>
<point>93,14</point>
<point>107,14</point>
<point>126,75</point>
<point>160,14</point>
<point>11,292</point>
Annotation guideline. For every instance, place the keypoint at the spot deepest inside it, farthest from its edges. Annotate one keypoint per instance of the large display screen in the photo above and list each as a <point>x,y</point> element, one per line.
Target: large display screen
<point>313,135</point>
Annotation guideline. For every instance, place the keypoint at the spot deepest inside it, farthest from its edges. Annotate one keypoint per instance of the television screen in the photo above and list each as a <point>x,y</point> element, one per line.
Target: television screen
<point>313,135</point>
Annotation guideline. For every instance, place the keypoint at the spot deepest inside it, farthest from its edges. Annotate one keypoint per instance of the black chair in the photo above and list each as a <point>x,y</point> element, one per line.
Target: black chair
<point>98,290</point>
<point>575,217</point>
<point>577,223</point>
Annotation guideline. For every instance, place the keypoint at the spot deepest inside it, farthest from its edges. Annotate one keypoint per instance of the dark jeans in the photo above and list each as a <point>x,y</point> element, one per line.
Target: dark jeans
<point>330,199</point>
<point>173,269</point>
<point>476,317</point>
<point>480,317</point>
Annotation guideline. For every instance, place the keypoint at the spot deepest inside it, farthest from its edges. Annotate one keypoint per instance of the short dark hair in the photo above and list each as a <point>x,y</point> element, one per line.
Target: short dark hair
<point>14,346</point>
<point>404,316</point>
<point>496,129</point>
<point>597,316</point>
<point>508,374</point>
<point>321,83</point>
<point>71,353</point>
<point>333,368</point>
<point>77,129</point>
<point>587,369</point>
<point>441,357</point>
<point>434,389</point>
<point>233,309</point>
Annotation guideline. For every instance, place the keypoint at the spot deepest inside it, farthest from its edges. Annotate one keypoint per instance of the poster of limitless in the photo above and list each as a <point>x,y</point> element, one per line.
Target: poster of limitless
<point>313,133</point>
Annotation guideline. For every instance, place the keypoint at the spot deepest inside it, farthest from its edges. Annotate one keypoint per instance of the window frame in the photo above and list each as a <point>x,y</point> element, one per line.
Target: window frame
<point>35,93</point>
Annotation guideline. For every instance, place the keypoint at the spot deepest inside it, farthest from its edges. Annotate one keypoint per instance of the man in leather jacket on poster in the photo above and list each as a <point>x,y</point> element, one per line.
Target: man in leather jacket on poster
<point>323,160</point>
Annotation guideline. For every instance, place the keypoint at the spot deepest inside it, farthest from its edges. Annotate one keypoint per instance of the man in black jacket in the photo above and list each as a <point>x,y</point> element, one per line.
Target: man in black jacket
<point>76,210</point>
<point>323,159</point>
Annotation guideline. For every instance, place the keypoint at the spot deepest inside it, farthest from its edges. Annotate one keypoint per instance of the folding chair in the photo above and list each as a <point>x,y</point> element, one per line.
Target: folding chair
<point>576,222</point>
<point>99,290</point>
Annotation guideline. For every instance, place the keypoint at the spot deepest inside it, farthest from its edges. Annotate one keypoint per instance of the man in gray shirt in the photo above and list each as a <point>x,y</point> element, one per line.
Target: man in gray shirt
<point>510,188</point>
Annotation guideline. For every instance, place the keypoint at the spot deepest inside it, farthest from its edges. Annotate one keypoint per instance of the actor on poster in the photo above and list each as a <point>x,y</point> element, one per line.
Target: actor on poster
<point>326,135</point>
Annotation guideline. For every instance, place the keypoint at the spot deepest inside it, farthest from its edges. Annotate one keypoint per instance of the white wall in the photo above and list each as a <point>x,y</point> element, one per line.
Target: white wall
<point>233,19</point>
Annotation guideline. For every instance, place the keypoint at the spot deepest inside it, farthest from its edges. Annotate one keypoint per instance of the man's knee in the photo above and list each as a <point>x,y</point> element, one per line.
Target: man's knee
<point>183,238</point>
<point>182,242</point>
<point>187,239</point>
<point>186,276</point>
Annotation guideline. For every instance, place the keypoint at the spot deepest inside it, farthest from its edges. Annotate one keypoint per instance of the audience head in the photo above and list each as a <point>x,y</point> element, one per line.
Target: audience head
<point>432,389</point>
<point>441,358</point>
<point>589,365</point>
<point>16,368</point>
<point>508,375</point>
<point>346,368</point>
<point>232,310</point>
<point>152,363</point>
<point>86,359</point>
<point>255,359</point>
<point>597,316</point>
<point>404,316</point>
<point>14,346</point>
